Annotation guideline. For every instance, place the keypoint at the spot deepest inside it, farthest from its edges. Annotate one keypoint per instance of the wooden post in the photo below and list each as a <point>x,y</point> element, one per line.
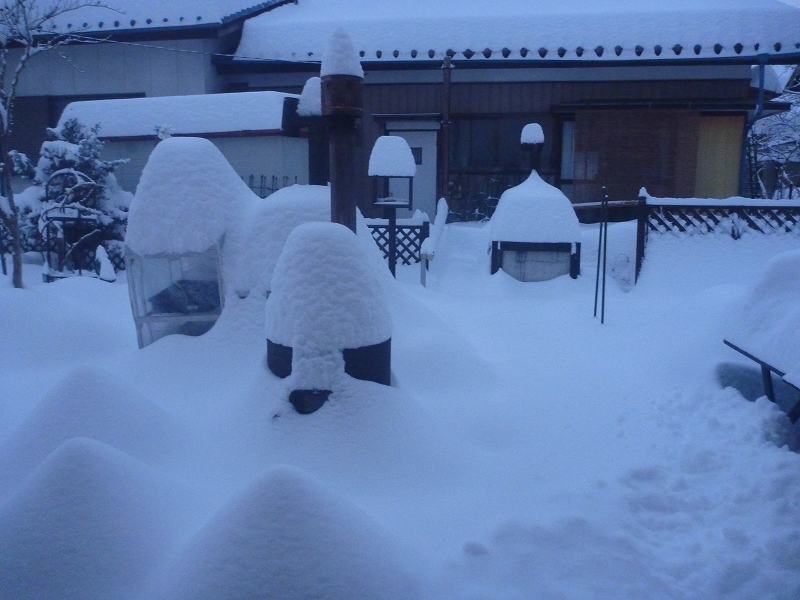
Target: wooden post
<point>444,145</point>
<point>342,106</point>
<point>641,234</point>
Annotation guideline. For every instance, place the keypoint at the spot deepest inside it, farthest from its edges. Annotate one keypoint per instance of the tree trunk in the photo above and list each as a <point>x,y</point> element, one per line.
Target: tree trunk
<point>11,220</point>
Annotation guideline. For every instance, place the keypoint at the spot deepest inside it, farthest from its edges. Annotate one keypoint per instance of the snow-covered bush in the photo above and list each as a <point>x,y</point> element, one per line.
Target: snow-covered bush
<point>73,151</point>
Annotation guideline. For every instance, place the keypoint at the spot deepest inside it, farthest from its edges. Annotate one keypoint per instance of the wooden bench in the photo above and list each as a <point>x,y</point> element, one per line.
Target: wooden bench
<point>767,370</point>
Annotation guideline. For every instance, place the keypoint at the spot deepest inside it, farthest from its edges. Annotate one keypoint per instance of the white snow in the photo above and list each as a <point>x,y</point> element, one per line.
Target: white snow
<point>339,57</point>
<point>255,112</point>
<point>287,536</point>
<point>267,226</point>
<point>769,323</point>
<point>391,157</point>
<point>420,25</point>
<point>310,104</point>
<point>146,14</point>
<point>325,295</point>
<point>90,522</point>
<point>525,451</point>
<point>532,133</point>
<point>187,199</point>
<point>534,211</point>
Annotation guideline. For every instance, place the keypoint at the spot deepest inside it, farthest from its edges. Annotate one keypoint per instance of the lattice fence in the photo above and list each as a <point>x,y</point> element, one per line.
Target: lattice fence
<point>730,220</point>
<point>409,241</point>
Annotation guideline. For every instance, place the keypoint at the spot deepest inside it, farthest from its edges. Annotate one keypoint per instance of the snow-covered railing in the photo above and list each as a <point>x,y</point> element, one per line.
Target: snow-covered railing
<point>429,246</point>
<point>731,216</point>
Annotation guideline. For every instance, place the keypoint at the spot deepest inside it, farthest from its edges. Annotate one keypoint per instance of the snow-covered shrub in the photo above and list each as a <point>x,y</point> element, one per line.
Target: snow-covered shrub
<point>74,150</point>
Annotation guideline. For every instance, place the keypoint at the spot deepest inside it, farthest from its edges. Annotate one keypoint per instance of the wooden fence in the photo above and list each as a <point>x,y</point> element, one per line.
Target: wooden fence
<point>683,217</point>
<point>409,241</point>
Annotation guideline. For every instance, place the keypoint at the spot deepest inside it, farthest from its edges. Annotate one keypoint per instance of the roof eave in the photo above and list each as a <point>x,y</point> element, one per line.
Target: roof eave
<point>227,64</point>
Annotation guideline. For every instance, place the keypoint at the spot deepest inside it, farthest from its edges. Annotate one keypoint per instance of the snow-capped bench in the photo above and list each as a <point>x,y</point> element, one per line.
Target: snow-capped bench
<point>768,328</point>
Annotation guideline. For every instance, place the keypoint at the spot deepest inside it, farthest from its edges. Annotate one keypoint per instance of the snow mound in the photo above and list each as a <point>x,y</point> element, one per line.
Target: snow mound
<point>340,57</point>
<point>90,522</point>
<point>325,295</point>
<point>90,403</point>
<point>532,133</point>
<point>187,198</point>
<point>310,104</point>
<point>269,224</point>
<point>769,321</point>
<point>391,157</point>
<point>288,537</point>
<point>535,211</point>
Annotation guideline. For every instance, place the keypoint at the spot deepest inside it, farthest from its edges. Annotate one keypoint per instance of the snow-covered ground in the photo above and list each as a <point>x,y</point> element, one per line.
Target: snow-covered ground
<point>525,451</point>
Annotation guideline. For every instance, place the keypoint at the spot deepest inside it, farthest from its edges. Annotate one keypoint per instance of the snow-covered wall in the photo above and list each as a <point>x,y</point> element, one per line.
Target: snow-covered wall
<point>258,155</point>
<point>89,69</point>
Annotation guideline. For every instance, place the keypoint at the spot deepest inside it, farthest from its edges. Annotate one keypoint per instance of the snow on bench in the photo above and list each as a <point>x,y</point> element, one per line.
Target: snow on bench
<point>768,328</point>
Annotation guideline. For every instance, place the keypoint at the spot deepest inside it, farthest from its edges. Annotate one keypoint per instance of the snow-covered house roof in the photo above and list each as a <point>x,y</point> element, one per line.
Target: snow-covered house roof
<point>253,112</point>
<point>131,15</point>
<point>550,30</point>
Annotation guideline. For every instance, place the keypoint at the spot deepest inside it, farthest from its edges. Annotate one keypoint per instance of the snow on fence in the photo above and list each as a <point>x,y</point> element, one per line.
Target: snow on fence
<point>682,217</point>
<point>732,216</point>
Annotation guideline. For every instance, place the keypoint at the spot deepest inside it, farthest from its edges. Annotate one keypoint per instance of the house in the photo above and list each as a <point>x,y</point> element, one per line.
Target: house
<point>629,94</point>
<point>254,130</point>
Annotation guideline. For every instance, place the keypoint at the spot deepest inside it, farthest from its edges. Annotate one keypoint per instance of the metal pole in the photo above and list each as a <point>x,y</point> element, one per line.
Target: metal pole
<point>599,255</point>
<point>605,256</point>
<point>392,240</point>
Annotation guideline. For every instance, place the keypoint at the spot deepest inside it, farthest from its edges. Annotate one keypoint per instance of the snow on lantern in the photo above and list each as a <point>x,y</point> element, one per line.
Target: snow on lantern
<point>534,231</point>
<point>392,168</point>
<point>186,202</point>
<point>326,315</point>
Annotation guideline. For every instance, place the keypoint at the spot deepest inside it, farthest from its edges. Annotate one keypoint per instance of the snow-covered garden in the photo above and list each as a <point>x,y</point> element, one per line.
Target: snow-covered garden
<point>523,450</point>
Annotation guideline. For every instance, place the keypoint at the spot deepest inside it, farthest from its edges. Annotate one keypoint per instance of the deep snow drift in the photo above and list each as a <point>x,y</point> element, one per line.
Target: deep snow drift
<point>525,451</point>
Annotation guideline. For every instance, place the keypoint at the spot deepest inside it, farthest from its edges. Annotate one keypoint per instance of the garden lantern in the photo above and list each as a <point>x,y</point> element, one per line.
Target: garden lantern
<point>532,140</point>
<point>392,169</point>
<point>185,205</point>
<point>535,232</point>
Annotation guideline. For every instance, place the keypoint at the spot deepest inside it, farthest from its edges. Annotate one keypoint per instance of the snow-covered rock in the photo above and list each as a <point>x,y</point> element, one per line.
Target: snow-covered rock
<point>324,292</point>
<point>187,199</point>
<point>310,104</point>
<point>391,157</point>
<point>90,522</point>
<point>535,211</point>
<point>340,57</point>
<point>768,325</point>
<point>532,133</point>
<point>286,536</point>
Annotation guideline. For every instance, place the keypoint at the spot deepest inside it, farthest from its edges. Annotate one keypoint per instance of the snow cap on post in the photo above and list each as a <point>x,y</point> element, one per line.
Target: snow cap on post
<point>392,157</point>
<point>310,104</point>
<point>532,133</point>
<point>340,57</point>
